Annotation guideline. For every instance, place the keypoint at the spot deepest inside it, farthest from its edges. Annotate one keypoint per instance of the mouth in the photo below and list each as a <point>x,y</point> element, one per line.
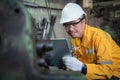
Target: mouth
<point>72,34</point>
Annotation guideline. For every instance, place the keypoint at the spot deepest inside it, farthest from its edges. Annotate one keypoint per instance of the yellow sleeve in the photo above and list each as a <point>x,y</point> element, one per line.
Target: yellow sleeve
<point>103,68</point>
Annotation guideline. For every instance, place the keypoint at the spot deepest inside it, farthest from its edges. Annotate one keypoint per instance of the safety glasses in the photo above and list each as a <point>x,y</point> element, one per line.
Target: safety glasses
<point>72,23</point>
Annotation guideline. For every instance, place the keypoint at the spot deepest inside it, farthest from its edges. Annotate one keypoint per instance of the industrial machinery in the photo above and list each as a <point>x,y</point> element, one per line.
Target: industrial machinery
<point>19,54</point>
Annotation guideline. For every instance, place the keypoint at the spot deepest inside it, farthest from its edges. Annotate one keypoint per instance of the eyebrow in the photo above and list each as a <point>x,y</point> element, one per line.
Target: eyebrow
<point>73,21</point>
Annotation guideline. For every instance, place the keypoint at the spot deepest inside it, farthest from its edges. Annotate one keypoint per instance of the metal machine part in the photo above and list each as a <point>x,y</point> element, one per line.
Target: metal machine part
<point>18,55</point>
<point>17,51</point>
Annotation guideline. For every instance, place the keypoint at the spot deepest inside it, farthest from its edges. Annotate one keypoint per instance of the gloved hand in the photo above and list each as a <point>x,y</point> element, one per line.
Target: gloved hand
<point>72,63</point>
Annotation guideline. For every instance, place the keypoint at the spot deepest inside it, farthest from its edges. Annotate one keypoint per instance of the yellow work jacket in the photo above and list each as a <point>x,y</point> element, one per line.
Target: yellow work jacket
<point>99,52</point>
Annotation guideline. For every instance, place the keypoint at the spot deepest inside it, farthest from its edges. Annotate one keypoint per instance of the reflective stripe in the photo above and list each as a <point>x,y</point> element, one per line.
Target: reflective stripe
<point>90,51</point>
<point>107,62</point>
<point>86,51</point>
<point>74,48</point>
<point>106,35</point>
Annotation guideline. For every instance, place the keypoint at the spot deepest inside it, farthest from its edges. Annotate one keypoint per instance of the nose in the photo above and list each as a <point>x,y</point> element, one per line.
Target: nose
<point>71,27</point>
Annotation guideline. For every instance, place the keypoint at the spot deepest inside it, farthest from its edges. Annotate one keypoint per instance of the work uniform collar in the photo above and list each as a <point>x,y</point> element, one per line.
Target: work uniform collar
<point>86,37</point>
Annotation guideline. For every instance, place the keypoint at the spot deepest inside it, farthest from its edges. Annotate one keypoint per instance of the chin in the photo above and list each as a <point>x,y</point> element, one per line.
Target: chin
<point>73,36</point>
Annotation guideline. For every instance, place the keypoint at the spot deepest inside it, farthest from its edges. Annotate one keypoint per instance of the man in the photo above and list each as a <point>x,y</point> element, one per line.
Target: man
<point>95,52</point>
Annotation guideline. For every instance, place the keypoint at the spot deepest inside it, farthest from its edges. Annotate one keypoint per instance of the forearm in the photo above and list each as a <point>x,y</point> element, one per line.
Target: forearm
<point>97,70</point>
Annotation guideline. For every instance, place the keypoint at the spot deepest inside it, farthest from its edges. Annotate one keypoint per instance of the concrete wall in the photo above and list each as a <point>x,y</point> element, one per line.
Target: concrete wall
<point>39,9</point>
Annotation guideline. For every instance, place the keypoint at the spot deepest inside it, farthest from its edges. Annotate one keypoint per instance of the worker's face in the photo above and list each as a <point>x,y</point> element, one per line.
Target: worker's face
<point>75,28</point>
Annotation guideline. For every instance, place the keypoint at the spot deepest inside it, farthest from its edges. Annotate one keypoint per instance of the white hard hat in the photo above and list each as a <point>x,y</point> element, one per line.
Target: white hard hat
<point>70,12</point>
